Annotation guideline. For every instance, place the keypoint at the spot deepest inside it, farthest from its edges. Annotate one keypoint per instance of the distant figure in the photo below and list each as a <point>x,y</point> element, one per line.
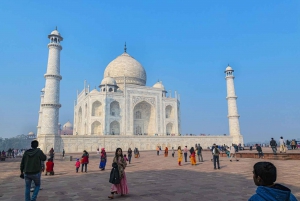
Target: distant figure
<point>77,165</point>
<point>199,153</point>
<point>293,144</point>
<point>129,152</point>
<point>185,150</point>
<point>273,145</point>
<point>193,156</point>
<point>216,155</point>
<point>251,148</point>
<point>264,176</point>
<point>49,167</point>
<point>166,152</point>
<point>98,151</point>
<point>233,153</point>
<point>282,145</point>
<point>63,153</point>
<point>85,160</point>
<point>179,155</point>
<point>103,159</point>
<point>136,153</point>
<point>125,158</point>
<point>51,153</point>
<point>259,150</point>
<point>157,150</point>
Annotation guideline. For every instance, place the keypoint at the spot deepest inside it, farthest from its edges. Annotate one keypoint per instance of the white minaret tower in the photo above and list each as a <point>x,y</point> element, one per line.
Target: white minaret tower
<point>40,113</point>
<point>51,105</point>
<point>233,116</point>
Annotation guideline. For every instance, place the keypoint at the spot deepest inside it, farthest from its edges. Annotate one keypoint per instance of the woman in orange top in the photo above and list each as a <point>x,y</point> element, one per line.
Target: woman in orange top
<point>193,156</point>
<point>166,152</point>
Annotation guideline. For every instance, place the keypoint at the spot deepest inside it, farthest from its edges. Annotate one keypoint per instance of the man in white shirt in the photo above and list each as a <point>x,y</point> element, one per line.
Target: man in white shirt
<point>185,151</point>
<point>282,145</point>
<point>232,153</point>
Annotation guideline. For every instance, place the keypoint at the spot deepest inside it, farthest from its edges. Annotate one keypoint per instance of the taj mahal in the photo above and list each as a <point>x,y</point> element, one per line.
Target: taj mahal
<point>123,112</point>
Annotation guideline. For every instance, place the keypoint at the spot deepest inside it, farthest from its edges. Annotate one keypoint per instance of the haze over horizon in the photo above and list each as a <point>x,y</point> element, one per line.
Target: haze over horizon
<point>186,45</point>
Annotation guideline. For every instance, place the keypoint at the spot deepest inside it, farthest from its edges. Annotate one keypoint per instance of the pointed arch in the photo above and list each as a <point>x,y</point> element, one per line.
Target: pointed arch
<point>79,126</point>
<point>169,128</point>
<point>96,109</point>
<point>114,128</point>
<point>96,128</point>
<point>169,112</point>
<point>115,108</point>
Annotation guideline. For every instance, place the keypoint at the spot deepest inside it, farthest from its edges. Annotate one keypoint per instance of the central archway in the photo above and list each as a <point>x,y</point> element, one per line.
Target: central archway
<point>144,119</point>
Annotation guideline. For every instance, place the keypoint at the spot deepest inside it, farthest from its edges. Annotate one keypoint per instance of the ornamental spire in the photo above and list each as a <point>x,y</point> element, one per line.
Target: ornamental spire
<point>125,48</point>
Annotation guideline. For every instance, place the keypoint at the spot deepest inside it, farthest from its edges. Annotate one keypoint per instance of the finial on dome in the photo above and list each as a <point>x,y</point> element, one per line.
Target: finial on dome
<point>228,64</point>
<point>125,48</point>
<point>56,28</point>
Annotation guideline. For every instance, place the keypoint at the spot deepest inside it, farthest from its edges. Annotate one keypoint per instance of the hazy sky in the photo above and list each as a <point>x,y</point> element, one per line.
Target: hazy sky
<point>186,45</point>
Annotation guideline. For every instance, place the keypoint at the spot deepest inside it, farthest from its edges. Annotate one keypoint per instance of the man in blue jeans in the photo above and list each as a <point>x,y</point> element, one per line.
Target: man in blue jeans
<point>31,169</point>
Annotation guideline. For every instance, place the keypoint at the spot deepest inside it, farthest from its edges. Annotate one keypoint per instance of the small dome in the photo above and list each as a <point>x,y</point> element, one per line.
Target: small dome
<point>55,32</point>
<point>31,133</point>
<point>43,90</point>
<point>109,81</point>
<point>68,125</point>
<point>159,85</point>
<point>228,68</point>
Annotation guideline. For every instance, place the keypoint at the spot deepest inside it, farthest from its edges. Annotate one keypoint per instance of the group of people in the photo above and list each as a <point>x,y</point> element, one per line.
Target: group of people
<point>32,165</point>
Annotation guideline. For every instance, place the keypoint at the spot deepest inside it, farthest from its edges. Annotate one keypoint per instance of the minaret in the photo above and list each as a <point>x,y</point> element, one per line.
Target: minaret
<point>51,105</point>
<point>233,116</point>
<point>40,113</point>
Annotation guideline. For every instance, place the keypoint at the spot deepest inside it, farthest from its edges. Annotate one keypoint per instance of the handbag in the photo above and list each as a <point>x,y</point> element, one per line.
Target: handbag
<point>114,174</point>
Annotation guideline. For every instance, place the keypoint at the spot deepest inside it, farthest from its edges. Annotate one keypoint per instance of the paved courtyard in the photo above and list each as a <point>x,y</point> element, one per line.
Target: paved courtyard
<point>150,178</point>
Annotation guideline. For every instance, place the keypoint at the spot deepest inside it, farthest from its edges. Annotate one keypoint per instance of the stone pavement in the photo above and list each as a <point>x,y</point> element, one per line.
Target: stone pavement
<point>150,178</point>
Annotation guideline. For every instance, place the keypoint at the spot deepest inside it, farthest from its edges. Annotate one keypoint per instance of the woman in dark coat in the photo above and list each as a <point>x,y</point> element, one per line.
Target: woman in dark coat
<point>85,160</point>
<point>129,152</point>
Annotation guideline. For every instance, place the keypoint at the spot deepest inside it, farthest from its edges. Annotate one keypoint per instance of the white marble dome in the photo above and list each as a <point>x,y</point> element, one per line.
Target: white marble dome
<point>159,85</point>
<point>31,133</point>
<point>68,125</point>
<point>109,81</point>
<point>125,66</point>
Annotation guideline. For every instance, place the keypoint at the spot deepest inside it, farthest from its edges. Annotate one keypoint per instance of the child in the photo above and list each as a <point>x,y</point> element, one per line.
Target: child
<point>77,165</point>
<point>49,167</point>
<point>126,159</point>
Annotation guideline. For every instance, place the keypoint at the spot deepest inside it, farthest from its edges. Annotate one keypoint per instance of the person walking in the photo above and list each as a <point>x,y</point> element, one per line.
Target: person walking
<point>51,153</point>
<point>173,152</point>
<point>185,151</point>
<point>157,150</point>
<point>103,159</point>
<point>216,155</point>
<point>199,153</point>
<point>77,165</point>
<point>85,161</point>
<point>179,155</point>
<point>121,187</point>
<point>273,145</point>
<point>49,167</point>
<point>63,153</point>
<point>193,156</point>
<point>233,153</point>
<point>129,153</point>
<point>293,144</point>
<point>282,145</point>
<point>259,150</point>
<point>166,152</point>
<point>30,168</point>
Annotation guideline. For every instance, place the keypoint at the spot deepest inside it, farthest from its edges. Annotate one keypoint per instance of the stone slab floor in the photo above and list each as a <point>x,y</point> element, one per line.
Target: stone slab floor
<point>150,178</point>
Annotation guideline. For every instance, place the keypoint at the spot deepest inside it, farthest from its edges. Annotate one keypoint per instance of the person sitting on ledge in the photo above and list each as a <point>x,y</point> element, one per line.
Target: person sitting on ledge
<point>264,176</point>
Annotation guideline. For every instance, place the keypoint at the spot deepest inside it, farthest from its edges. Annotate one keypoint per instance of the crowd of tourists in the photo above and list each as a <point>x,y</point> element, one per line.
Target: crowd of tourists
<point>33,164</point>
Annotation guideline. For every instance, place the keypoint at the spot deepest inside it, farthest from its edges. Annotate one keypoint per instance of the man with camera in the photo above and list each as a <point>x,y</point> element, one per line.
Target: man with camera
<point>31,169</point>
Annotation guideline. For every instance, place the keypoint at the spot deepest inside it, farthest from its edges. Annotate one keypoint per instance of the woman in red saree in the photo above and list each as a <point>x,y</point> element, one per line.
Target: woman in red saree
<point>193,156</point>
<point>166,152</point>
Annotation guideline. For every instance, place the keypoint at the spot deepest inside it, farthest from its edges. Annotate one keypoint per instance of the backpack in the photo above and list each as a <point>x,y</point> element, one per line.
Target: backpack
<point>114,174</point>
<point>217,151</point>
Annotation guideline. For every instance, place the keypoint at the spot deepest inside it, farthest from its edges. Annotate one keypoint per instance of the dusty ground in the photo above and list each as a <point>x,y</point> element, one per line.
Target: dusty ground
<point>150,177</point>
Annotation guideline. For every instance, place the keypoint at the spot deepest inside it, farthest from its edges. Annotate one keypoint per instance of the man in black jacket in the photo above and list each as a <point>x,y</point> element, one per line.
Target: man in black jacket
<point>31,169</point>
<point>273,145</point>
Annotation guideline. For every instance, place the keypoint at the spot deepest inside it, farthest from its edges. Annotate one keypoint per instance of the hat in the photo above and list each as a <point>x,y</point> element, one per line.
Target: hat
<point>77,159</point>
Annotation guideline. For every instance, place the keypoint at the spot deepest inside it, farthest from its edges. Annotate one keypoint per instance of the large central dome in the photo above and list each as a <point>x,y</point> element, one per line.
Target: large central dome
<point>126,67</point>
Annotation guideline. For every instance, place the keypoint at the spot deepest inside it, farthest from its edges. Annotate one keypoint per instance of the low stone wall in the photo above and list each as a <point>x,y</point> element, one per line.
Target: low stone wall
<point>74,144</point>
<point>270,156</point>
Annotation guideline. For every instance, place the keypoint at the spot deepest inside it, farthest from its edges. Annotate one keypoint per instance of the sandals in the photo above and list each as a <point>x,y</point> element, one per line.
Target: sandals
<point>111,197</point>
